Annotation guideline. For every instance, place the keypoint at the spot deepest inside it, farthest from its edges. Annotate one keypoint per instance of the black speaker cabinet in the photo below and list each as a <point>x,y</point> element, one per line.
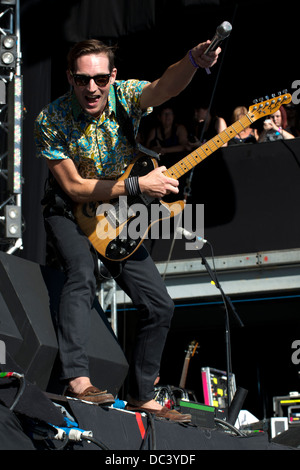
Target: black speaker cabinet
<point>25,298</point>
<point>28,303</point>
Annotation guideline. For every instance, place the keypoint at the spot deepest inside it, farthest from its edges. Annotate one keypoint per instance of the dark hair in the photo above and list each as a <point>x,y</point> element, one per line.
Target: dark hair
<point>284,121</point>
<point>90,46</point>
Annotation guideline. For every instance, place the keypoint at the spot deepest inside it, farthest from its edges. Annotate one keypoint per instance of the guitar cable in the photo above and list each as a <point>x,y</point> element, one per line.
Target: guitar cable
<point>21,389</point>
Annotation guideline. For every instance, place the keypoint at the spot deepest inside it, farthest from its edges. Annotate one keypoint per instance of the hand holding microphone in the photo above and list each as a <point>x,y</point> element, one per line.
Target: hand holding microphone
<point>199,56</point>
<point>222,33</point>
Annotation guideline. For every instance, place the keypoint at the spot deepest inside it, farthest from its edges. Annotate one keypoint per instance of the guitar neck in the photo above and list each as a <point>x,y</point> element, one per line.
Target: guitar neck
<point>184,373</point>
<point>197,156</point>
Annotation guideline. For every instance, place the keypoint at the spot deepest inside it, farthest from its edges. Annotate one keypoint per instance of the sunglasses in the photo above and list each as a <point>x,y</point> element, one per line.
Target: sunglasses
<point>83,80</point>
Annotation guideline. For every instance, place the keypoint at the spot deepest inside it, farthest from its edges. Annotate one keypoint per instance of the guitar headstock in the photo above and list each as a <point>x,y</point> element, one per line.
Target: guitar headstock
<point>193,346</point>
<point>262,108</point>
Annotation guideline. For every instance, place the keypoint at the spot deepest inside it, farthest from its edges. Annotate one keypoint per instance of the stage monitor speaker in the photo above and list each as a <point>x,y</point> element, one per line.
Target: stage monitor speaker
<point>25,297</point>
<point>9,333</point>
<point>28,302</point>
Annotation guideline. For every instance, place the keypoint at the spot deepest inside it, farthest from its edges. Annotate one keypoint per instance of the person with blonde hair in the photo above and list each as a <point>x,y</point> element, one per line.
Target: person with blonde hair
<point>246,136</point>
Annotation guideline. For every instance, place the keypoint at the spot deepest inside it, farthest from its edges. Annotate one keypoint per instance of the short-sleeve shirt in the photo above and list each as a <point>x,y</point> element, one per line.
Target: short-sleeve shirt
<point>98,147</point>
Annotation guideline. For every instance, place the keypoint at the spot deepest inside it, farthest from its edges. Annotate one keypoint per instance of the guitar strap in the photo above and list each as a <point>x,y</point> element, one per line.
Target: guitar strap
<point>124,121</point>
<point>127,128</point>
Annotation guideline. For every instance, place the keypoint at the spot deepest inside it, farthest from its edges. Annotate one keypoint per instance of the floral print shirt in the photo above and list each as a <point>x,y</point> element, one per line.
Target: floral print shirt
<point>98,147</point>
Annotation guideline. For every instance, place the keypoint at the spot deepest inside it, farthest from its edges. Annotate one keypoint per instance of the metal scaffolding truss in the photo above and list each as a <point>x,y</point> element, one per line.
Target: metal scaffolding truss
<point>244,274</point>
<point>11,117</point>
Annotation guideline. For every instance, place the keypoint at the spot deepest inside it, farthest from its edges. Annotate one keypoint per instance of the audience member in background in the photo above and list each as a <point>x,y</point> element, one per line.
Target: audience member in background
<point>168,137</point>
<point>293,119</point>
<point>274,127</point>
<point>170,140</point>
<point>246,136</point>
<point>204,127</point>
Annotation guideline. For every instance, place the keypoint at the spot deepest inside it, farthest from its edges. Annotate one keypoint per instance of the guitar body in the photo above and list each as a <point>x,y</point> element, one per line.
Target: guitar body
<point>116,228</point>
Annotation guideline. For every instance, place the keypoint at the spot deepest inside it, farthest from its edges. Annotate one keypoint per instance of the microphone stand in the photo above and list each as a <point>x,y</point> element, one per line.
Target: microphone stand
<point>228,303</point>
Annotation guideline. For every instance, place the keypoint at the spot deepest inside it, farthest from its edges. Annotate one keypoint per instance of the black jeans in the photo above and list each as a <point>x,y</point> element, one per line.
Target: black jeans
<point>137,276</point>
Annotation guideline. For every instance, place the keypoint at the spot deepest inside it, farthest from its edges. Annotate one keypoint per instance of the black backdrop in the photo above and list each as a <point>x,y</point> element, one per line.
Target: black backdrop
<point>259,58</point>
<point>251,198</point>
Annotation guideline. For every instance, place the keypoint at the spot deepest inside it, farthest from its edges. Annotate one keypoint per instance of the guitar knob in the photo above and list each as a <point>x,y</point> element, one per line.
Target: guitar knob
<point>113,247</point>
<point>122,251</point>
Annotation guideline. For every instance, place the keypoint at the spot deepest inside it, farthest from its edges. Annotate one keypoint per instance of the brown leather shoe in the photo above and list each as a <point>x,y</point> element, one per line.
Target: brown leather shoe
<point>92,394</point>
<point>164,413</point>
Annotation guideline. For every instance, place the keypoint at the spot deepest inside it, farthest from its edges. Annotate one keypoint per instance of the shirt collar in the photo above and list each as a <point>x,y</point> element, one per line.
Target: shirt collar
<point>77,109</point>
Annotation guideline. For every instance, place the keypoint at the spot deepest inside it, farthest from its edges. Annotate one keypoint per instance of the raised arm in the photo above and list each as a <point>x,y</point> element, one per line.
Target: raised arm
<point>177,76</point>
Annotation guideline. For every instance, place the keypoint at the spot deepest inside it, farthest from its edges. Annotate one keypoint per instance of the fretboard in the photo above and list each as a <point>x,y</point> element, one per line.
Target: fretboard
<point>197,156</point>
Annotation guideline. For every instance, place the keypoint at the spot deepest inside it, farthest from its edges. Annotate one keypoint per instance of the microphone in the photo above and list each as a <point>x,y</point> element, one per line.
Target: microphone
<point>190,236</point>
<point>222,32</point>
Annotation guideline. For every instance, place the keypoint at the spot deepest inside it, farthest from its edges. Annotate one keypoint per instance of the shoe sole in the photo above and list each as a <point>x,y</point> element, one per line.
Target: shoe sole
<point>90,402</point>
<point>182,420</point>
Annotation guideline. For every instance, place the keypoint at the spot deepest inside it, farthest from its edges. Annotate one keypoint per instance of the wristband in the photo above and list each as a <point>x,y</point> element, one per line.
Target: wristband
<point>132,186</point>
<point>192,60</point>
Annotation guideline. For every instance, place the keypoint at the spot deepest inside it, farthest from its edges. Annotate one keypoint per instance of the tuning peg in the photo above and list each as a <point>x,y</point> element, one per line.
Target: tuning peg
<point>273,95</point>
<point>279,93</point>
<point>266,97</point>
<point>255,101</point>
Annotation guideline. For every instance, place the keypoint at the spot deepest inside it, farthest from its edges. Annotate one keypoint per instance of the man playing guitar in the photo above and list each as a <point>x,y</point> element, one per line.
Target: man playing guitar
<point>87,150</point>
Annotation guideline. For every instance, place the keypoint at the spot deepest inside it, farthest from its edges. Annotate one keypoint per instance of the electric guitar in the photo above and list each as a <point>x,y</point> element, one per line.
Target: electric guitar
<point>193,346</point>
<point>116,228</point>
